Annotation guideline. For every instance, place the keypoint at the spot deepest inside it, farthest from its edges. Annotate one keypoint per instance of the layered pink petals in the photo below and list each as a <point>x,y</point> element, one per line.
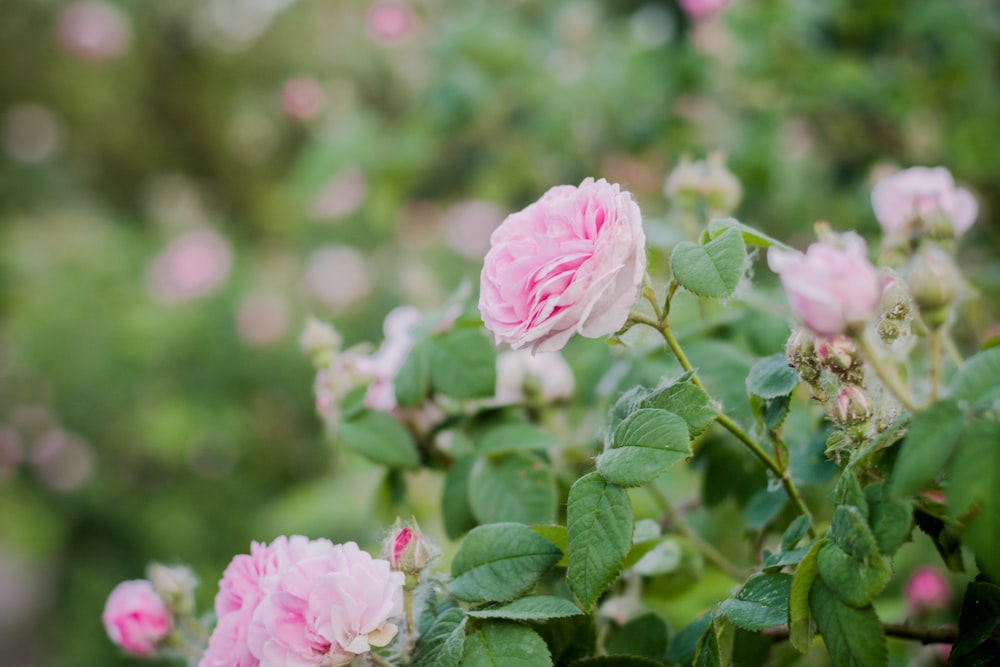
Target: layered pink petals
<point>829,288</point>
<point>135,617</point>
<point>569,263</point>
<point>922,194</point>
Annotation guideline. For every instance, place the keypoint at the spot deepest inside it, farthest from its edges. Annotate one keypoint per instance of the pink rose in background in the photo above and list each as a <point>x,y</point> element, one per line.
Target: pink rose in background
<point>95,31</point>
<point>328,603</point>
<point>386,362</point>
<point>390,21</point>
<point>830,289</point>
<point>135,617</point>
<point>569,263</point>
<point>927,589</point>
<point>921,194</point>
<point>302,98</point>
<point>699,9</point>
<point>545,373</point>
<point>193,266</point>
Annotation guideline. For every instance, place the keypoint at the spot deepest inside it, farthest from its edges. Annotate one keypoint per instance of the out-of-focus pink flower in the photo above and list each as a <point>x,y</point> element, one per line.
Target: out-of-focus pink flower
<point>830,289</point>
<point>468,225</point>
<point>337,276</point>
<point>700,9</point>
<point>193,266</point>
<point>326,604</point>
<point>63,461</point>
<point>262,319</point>
<point>927,589</point>
<point>569,263</point>
<point>135,617</point>
<point>922,195</point>
<point>95,31</point>
<point>302,98</point>
<point>383,365</point>
<point>390,21</point>
<point>342,195</point>
<point>546,374</point>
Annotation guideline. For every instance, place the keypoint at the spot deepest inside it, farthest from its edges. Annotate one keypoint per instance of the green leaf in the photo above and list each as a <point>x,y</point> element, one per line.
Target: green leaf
<point>772,377</point>
<point>517,488</point>
<point>644,636</point>
<point>850,531</point>
<point>462,364</point>
<point>978,619</point>
<point>976,381</point>
<point>800,621</point>
<point>711,270</point>
<point>796,530</point>
<point>685,644</point>
<point>763,507</point>
<point>443,643</point>
<point>716,645</point>
<point>848,492</point>
<point>974,479</point>
<point>852,636</point>
<point>783,558</point>
<point>927,447</point>
<point>761,603</point>
<point>599,528</point>
<point>455,508</point>
<point>531,608</point>
<point>646,444</point>
<point>751,236</point>
<point>685,399</point>
<point>569,638</point>
<point>516,437</point>
<point>890,519</point>
<point>617,661</point>
<point>944,536</point>
<point>501,644</point>
<point>556,535</point>
<point>381,438</point>
<point>854,581</point>
<point>413,380</point>
<point>500,562</point>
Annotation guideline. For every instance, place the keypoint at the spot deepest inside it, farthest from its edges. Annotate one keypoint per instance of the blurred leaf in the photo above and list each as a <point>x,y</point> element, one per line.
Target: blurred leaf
<point>976,381</point>
<point>500,644</point>
<point>684,646</point>
<point>800,616</point>
<point>413,379</point>
<point>711,270</point>
<point>531,608</point>
<point>644,636</point>
<point>796,530</point>
<point>616,661</point>
<point>763,507</point>
<point>462,364</point>
<point>927,447</point>
<point>772,377</point>
<point>516,437</point>
<point>852,636</point>
<point>500,562</point>
<point>569,638</point>
<point>516,487</point>
<point>455,507</point>
<point>599,525</point>
<point>751,236</point>
<point>974,478</point>
<point>977,625</point>
<point>381,438</point>
<point>443,643</point>
<point>646,444</point>
<point>761,603</point>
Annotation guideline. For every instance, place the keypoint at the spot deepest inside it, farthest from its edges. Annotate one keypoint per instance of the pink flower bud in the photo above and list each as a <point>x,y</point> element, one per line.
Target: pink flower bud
<point>175,586</point>
<point>831,289</point>
<point>934,283</point>
<point>407,550</point>
<point>837,354</point>
<point>852,406</point>
<point>136,618</point>
<point>920,198</point>
<point>927,589</point>
<point>800,350</point>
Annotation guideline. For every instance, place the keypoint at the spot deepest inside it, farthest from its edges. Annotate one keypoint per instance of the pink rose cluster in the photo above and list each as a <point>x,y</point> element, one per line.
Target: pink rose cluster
<point>136,618</point>
<point>831,288</point>
<point>297,603</point>
<point>923,196</point>
<point>569,263</point>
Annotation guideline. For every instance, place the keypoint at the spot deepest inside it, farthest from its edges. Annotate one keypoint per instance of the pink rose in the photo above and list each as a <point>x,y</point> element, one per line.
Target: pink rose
<point>927,589</point>
<point>921,194</point>
<point>386,362</point>
<point>327,604</point>
<point>546,374</point>
<point>135,617</point>
<point>699,9</point>
<point>94,31</point>
<point>569,263</point>
<point>830,289</point>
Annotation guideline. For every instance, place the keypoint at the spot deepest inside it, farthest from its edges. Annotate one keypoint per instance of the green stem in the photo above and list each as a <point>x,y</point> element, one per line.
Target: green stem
<point>952,349</point>
<point>786,481</point>
<point>935,352</point>
<point>887,375</point>
<point>378,660</point>
<point>195,629</point>
<point>942,635</point>
<point>674,518</point>
<point>408,605</point>
<point>650,295</point>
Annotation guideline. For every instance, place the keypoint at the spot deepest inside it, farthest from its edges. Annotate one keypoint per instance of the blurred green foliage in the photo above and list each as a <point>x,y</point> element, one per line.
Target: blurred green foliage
<point>189,438</point>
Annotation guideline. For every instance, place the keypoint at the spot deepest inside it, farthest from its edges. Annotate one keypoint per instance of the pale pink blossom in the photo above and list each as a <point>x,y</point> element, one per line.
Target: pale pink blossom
<point>830,289</point>
<point>922,195</point>
<point>384,364</point>
<point>390,21</point>
<point>95,31</point>
<point>927,589</point>
<point>192,266</point>
<point>326,604</point>
<point>302,98</point>
<point>570,263</point>
<point>135,617</point>
<point>519,372</point>
<point>700,9</point>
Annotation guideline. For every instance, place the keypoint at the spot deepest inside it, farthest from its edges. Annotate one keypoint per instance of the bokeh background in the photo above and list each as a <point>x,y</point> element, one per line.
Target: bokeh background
<point>182,182</point>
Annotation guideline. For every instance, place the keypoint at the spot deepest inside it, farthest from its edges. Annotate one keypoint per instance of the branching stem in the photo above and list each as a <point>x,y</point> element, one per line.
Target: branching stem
<point>887,375</point>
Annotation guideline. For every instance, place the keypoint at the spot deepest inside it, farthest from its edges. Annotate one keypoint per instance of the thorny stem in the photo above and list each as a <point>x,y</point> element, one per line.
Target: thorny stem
<point>935,352</point>
<point>786,481</point>
<point>888,376</point>
<point>942,635</point>
<point>408,605</point>
<point>672,517</point>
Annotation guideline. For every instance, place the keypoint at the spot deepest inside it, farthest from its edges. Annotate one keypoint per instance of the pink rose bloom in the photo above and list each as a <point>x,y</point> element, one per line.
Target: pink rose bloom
<point>545,373</point>
<point>302,98</point>
<point>569,263</point>
<point>927,589</point>
<point>699,9</point>
<point>95,31</point>
<point>922,193</point>
<point>328,604</point>
<point>135,617</point>
<point>383,365</point>
<point>830,289</point>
